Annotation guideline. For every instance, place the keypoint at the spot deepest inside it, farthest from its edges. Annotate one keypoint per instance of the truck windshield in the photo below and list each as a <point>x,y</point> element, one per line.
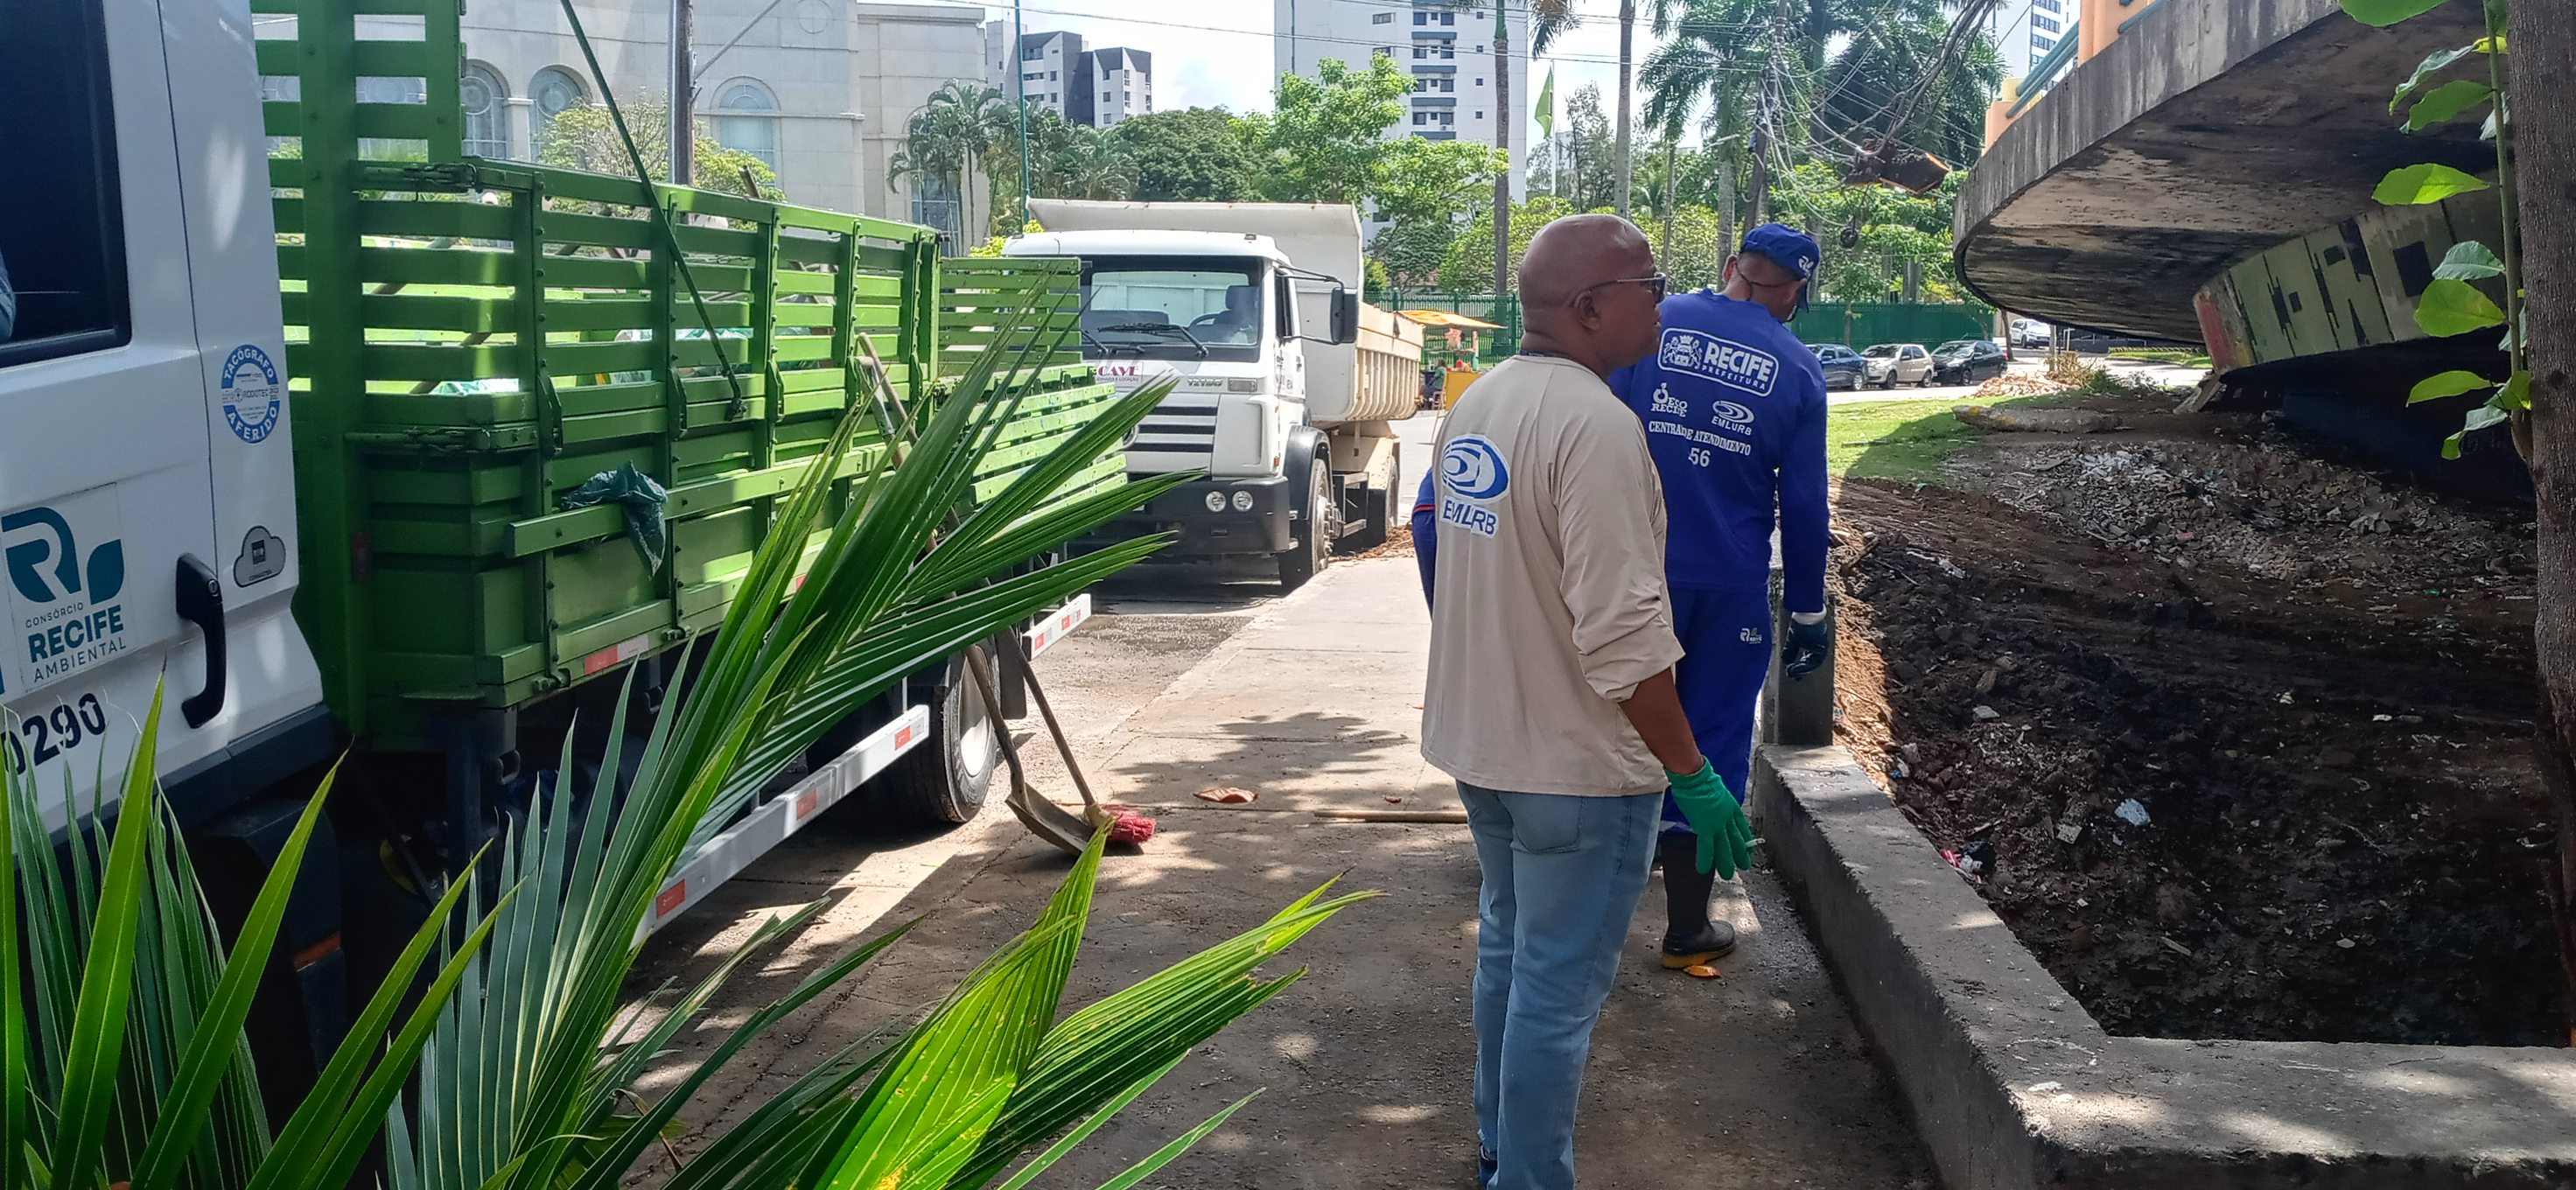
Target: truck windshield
<point>1172,307</point>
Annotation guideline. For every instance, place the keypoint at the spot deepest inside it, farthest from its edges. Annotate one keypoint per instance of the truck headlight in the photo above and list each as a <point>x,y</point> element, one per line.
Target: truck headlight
<point>1242,500</point>
<point>1216,501</point>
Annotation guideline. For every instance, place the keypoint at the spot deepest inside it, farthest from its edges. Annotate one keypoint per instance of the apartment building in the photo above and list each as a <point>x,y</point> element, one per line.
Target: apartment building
<point>1446,45</point>
<point>1085,86</point>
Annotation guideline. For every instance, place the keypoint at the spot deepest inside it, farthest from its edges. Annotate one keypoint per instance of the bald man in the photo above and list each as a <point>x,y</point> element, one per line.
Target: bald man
<point>1550,696</point>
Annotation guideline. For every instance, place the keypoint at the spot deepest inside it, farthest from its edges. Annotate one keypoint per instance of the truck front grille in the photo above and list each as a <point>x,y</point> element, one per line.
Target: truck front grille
<point>1178,435</point>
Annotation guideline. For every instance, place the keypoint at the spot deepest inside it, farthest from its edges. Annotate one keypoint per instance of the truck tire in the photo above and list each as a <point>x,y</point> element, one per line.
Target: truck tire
<point>1314,548</point>
<point>1378,506</point>
<point>945,780</point>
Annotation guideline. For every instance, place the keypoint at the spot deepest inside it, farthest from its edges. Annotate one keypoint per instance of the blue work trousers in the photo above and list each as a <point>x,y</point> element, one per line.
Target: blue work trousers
<point>1726,655</point>
<point>1562,876</point>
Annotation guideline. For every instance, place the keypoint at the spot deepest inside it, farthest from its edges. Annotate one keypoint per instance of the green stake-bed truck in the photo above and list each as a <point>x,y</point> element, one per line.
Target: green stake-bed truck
<point>294,397</point>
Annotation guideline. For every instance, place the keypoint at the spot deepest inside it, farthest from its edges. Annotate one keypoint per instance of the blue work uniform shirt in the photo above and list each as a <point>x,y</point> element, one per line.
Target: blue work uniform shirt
<point>1734,406</point>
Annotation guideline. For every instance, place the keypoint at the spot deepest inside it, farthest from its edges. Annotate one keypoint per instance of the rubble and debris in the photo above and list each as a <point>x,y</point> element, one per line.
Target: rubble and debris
<point>2045,421</point>
<point>2157,590</point>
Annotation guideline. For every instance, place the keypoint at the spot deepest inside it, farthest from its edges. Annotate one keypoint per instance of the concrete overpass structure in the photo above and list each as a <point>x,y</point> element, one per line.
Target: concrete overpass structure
<point>2207,132</point>
<point>2205,173</point>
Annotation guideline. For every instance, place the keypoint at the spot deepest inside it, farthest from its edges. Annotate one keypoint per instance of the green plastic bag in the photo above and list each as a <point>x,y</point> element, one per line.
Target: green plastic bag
<point>641,499</point>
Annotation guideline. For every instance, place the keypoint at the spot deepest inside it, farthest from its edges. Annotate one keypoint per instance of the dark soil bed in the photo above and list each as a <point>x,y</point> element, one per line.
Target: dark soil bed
<point>2246,731</point>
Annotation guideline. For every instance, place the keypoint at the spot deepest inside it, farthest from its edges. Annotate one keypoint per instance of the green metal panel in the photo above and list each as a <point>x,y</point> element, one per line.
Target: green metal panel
<point>469,339</point>
<point>2342,264</point>
<point>1861,324</point>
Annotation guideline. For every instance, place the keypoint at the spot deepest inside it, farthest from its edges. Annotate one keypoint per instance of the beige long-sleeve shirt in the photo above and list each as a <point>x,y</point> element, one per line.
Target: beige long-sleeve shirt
<point>1550,604</point>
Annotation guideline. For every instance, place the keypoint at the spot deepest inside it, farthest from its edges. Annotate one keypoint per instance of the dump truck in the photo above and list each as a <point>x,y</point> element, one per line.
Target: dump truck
<point>1288,382</point>
<point>299,397</point>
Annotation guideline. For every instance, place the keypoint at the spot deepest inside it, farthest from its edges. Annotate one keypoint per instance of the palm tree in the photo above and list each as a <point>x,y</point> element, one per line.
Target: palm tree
<point>1736,58</point>
<point>948,136</point>
<point>1093,165</point>
<point>1896,46</point>
<point>1547,19</point>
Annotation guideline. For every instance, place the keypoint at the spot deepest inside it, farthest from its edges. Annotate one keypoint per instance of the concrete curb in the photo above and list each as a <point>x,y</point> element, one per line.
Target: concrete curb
<point>2012,1084</point>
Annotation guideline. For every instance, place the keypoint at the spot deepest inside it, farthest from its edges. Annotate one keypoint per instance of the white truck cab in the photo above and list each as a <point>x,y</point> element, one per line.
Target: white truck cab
<point>1218,309</point>
<point>1286,381</point>
<point>147,501</point>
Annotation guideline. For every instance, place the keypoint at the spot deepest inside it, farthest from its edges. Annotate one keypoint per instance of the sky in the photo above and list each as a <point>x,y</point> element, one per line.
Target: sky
<point>1217,53</point>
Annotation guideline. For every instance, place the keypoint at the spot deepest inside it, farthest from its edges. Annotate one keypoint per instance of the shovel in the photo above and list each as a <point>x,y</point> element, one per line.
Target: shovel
<point>1045,819</point>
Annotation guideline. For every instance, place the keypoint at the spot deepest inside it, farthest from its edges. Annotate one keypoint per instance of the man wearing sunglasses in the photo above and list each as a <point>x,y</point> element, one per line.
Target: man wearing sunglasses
<point>1550,695</point>
<point>1734,407</point>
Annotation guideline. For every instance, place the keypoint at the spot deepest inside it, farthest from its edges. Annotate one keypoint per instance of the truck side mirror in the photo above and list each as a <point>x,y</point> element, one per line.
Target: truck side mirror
<point>1346,316</point>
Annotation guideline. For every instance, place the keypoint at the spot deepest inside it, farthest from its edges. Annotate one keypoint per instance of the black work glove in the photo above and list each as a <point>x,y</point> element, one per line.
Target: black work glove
<point>1810,646</point>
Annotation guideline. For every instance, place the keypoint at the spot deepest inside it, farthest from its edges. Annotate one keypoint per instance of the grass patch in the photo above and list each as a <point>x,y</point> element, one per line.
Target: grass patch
<point>1905,441</point>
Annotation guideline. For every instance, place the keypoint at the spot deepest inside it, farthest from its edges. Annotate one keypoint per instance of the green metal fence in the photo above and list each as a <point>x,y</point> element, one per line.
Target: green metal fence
<point>1860,324</point>
<point>1504,312</point>
<point>1856,323</point>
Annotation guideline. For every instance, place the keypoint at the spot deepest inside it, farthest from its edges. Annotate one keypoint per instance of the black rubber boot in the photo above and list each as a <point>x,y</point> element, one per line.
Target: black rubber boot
<point>1690,938</point>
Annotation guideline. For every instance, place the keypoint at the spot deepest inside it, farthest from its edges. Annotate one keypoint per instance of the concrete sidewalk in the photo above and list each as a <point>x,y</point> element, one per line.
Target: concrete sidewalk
<point>1757,1079</point>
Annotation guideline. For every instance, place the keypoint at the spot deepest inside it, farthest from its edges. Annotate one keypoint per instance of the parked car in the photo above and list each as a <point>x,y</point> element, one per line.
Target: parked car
<point>1968,361</point>
<point>1892,364</point>
<point>1844,367</point>
<point>2029,332</point>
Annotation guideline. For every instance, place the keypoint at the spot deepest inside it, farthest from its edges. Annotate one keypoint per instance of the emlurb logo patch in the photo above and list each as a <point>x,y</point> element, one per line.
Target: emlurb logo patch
<point>1473,468</point>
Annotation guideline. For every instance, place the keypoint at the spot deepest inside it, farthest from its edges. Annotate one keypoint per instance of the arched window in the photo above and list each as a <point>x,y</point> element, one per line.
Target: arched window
<point>553,92</point>
<point>487,112</point>
<point>747,119</point>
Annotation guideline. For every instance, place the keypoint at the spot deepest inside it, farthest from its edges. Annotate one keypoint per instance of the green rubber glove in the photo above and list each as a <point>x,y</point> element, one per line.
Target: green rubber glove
<point>1725,836</point>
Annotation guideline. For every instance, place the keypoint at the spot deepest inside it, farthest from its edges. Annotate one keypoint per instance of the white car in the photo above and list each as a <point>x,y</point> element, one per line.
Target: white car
<point>1892,364</point>
<point>2029,332</point>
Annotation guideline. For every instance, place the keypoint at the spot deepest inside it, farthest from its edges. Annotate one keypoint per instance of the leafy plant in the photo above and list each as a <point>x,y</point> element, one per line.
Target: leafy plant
<point>129,1066</point>
<point>2452,304</point>
<point>883,594</point>
<point>136,1070</point>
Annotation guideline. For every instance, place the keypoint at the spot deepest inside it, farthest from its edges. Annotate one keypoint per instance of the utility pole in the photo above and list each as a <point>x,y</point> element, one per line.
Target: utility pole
<point>1502,143</point>
<point>684,86</point>
<point>1672,203</point>
<point>1626,175</point>
<point>1020,82</point>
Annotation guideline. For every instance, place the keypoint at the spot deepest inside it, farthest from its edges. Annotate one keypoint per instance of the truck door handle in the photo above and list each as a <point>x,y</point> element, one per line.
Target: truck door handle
<point>201,602</point>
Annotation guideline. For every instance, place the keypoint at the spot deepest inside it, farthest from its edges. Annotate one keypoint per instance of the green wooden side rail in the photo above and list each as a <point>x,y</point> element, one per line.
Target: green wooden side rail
<point>468,339</point>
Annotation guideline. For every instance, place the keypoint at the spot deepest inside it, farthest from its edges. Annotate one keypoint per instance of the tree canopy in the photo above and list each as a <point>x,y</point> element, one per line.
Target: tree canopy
<point>584,138</point>
<point>1188,155</point>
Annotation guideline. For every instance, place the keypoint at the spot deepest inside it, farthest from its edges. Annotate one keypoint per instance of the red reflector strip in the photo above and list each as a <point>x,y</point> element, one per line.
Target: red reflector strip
<point>805,805</point>
<point>616,654</point>
<point>328,946</point>
<point>903,738</point>
<point>671,899</point>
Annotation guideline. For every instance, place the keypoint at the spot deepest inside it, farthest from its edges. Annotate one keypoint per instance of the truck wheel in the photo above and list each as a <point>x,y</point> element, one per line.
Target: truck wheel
<point>1379,507</point>
<point>945,779</point>
<point>1314,550</point>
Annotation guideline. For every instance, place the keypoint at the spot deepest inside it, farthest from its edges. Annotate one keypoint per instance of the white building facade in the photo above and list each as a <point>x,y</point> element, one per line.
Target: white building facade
<point>1124,80</point>
<point>1446,45</point>
<point>821,90</point>
<point>2024,31</point>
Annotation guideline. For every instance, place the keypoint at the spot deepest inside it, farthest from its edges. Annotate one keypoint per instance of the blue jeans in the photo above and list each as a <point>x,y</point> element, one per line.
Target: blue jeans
<point>1561,879</point>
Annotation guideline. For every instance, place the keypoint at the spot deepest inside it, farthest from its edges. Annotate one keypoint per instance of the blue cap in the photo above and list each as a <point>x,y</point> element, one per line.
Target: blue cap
<point>1789,248</point>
